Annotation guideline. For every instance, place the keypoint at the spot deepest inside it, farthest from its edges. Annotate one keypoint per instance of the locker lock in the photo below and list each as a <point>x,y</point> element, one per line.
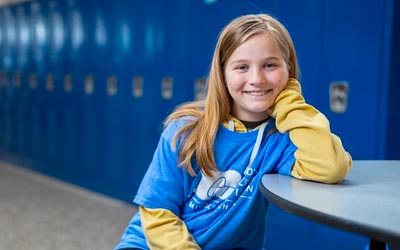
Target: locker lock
<point>137,86</point>
<point>68,83</point>
<point>200,88</point>
<point>167,87</point>
<point>89,84</point>
<point>33,81</point>
<point>49,82</point>
<point>112,85</point>
<point>18,80</point>
<point>338,97</point>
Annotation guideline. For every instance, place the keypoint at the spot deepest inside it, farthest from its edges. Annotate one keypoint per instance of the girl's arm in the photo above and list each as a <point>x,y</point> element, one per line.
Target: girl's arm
<point>320,155</point>
<point>164,230</point>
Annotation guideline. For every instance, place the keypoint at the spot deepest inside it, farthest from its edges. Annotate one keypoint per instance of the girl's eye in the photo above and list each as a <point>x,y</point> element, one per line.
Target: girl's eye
<point>242,67</point>
<point>270,65</point>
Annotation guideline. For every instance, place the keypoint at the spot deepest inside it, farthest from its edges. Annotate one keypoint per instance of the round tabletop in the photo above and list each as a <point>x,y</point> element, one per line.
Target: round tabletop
<point>366,202</point>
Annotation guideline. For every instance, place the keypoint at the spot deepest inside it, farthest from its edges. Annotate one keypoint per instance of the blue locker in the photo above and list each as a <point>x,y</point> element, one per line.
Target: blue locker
<point>53,51</point>
<point>91,122</point>
<point>114,93</point>
<point>72,92</point>
<point>35,81</point>
<point>14,94</point>
<point>118,144</point>
<point>357,52</point>
<point>19,82</point>
<point>8,91</point>
<point>110,100</point>
<point>140,115</point>
<point>174,84</point>
<point>2,78</point>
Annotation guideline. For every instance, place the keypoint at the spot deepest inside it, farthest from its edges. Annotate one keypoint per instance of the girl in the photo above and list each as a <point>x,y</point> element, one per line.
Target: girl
<point>201,190</point>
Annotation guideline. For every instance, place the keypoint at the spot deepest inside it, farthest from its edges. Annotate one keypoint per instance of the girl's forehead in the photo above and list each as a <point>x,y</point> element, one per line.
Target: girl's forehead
<point>259,43</point>
<point>258,33</point>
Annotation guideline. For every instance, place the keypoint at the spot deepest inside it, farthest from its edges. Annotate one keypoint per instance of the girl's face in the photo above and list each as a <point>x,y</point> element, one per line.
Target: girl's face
<point>255,74</point>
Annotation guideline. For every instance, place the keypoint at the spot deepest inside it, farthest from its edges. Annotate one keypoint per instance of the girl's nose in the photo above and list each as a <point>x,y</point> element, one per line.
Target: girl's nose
<point>257,76</point>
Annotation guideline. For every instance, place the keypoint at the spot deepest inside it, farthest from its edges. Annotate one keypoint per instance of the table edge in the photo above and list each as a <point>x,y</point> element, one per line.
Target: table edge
<point>326,219</point>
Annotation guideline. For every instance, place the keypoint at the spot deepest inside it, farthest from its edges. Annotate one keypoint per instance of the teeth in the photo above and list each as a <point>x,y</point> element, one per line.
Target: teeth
<point>257,93</point>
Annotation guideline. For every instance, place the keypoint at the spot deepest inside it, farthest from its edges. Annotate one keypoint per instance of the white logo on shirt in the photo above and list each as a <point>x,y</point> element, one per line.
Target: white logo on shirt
<point>221,185</point>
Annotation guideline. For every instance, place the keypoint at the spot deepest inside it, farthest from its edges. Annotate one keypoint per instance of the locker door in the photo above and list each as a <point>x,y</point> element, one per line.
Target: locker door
<point>53,86</point>
<point>354,52</point>
<point>114,98</point>
<point>36,65</point>
<point>71,92</point>
<point>174,84</point>
<point>2,78</point>
<point>143,92</point>
<point>19,78</point>
<point>91,123</point>
<point>8,90</point>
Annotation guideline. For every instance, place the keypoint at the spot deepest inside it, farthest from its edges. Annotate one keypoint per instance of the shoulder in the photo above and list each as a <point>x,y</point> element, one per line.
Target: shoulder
<point>173,126</point>
<point>278,139</point>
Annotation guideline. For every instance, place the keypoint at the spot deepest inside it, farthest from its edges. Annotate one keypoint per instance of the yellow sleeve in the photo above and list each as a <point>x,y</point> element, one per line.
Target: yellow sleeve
<point>164,230</point>
<point>320,155</point>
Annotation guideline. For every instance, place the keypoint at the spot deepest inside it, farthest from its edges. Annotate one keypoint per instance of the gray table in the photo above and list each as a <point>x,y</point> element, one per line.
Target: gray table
<point>367,202</point>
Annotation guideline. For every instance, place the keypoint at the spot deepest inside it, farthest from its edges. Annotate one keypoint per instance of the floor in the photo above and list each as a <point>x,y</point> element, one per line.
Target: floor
<point>41,213</point>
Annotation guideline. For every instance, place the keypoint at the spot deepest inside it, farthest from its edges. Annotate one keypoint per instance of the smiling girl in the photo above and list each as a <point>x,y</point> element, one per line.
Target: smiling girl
<point>201,190</point>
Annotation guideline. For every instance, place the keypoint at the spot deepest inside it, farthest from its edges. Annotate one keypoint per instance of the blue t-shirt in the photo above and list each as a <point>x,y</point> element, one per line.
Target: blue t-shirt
<point>226,211</point>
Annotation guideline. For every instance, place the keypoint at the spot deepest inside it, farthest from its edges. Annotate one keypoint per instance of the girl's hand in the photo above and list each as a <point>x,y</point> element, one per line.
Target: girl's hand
<point>290,95</point>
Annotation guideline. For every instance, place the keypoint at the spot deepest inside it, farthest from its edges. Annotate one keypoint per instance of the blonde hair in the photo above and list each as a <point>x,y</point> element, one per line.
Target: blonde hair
<point>197,141</point>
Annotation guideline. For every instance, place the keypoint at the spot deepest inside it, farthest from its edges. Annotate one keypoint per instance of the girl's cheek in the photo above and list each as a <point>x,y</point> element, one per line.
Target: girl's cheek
<point>282,83</point>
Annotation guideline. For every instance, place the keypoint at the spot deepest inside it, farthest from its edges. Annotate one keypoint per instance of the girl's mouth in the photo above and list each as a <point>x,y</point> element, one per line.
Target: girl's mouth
<point>258,92</point>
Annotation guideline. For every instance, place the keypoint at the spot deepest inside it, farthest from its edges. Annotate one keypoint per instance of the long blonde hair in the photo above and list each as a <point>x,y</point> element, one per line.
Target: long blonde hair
<point>197,141</point>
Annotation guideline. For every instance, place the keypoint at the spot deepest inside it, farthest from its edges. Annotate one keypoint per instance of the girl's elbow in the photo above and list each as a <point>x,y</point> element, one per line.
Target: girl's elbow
<point>338,170</point>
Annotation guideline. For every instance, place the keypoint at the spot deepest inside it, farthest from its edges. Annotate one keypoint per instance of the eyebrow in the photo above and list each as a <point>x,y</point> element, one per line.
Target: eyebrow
<point>246,60</point>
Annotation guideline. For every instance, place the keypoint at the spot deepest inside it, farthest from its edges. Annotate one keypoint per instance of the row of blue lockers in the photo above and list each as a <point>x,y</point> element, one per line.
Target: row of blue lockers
<point>85,85</point>
<point>83,82</point>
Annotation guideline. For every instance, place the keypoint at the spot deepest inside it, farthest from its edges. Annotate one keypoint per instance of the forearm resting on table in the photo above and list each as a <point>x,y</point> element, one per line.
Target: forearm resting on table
<point>320,155</point>
<point>164,230</point>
